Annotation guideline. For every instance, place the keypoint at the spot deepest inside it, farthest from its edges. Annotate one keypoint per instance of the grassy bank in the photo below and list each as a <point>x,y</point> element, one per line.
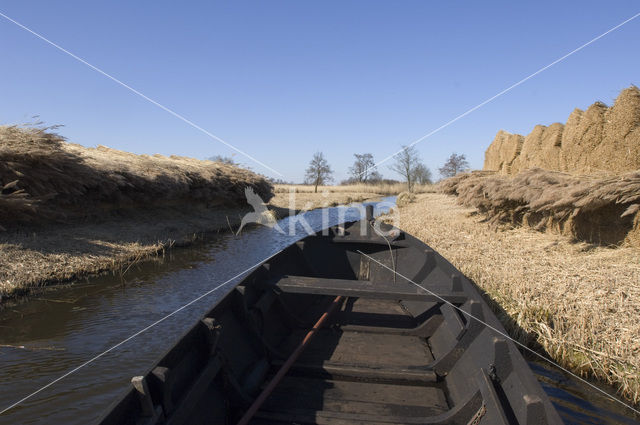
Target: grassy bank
<point>579,301</point>
<point>47,180</point>
<point>67,211</point>
<point>67,252</point>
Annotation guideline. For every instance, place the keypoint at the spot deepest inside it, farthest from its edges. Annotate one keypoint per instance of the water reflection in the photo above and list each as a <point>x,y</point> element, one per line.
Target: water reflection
<point>577,403</point>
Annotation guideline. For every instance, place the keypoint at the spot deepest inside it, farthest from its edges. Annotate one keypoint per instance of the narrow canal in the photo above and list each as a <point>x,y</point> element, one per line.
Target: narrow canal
<point>61,329</point>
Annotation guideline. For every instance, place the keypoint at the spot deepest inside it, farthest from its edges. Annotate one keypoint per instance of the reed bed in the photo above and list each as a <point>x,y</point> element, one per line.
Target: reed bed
<point>44,179</point>
<point>575,301</point>
<point>592,208</point>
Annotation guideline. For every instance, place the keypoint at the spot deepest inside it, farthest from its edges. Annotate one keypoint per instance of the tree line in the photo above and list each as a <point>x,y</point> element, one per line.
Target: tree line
<point>407,163</point>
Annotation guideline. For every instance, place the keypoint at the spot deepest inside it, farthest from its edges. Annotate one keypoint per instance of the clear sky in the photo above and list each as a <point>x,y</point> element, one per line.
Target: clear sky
<point>281,80</point>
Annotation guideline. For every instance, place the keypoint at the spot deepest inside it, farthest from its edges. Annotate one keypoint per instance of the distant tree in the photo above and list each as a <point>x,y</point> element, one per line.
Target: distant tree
<point>222,159</point>
<point>319,172</point>
<point>405,164</point>
<point>421,174</point>
<point>455,164</point>
<point>363,169</point>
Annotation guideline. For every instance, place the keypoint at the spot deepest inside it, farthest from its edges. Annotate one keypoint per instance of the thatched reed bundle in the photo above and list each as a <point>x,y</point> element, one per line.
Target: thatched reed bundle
<point>45,179</point>
<point>601,210</point>
<point>600,139</point>
<point>503,151</point>
<point>541,148</point>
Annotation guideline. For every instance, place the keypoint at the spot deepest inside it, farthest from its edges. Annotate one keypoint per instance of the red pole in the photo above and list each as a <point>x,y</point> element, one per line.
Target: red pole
<point>287,365</point>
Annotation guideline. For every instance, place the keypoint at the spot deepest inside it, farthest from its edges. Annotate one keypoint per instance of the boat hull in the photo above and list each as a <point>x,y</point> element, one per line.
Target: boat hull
<point>343,327</point>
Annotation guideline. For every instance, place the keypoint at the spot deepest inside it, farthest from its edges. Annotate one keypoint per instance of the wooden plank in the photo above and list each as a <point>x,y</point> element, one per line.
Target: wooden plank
<point>187,404</point>
<point>391,376</point>
<point>300,394</point>
<point>363,289</point>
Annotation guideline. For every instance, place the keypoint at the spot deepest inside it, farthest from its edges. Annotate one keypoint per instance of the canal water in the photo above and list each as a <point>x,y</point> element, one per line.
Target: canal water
<point>62,328</point>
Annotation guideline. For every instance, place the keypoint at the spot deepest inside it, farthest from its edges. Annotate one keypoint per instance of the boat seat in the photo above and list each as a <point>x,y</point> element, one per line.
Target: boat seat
<point>363,373</point>
<point>364,313</point>
<point>365,289</point>
<point>387,317</point>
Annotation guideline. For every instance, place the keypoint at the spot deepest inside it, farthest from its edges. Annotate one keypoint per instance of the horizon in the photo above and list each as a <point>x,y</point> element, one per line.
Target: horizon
<point>281,83</point>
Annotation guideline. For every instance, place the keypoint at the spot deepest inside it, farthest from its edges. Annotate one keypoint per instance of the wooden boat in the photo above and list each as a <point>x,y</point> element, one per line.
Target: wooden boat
<point>329,331</point>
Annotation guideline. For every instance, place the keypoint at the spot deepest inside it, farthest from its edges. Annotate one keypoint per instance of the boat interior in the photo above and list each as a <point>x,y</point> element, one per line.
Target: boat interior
<point>368,328</point>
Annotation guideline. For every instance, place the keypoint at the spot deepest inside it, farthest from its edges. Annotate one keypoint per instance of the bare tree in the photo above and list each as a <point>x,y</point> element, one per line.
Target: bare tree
<point>421,174</point>
<point>319,172</point>
<point>405,164</point>
<point>454,165</point>
<point>363,169</point>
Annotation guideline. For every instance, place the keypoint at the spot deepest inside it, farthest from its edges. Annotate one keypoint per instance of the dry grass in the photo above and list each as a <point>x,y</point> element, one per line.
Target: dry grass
<point>305,201</point>
<point>377,188</point>
<point>601,210</point>
<point>45,179</point>
<point>63,253</point>
<point>580,302</point>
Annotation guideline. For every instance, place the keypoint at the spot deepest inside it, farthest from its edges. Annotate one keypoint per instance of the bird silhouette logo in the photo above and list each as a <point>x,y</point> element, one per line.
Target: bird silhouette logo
<point>260,214</point>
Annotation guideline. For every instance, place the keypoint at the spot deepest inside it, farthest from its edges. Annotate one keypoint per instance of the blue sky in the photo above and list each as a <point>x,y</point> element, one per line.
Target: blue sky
<point>281,80</point>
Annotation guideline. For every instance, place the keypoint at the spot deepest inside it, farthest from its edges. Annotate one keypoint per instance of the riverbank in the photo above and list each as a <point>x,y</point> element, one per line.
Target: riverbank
<point>63,253</point>
<point>579,301</point>
<point>45,181</point>
<point>68,211</point>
